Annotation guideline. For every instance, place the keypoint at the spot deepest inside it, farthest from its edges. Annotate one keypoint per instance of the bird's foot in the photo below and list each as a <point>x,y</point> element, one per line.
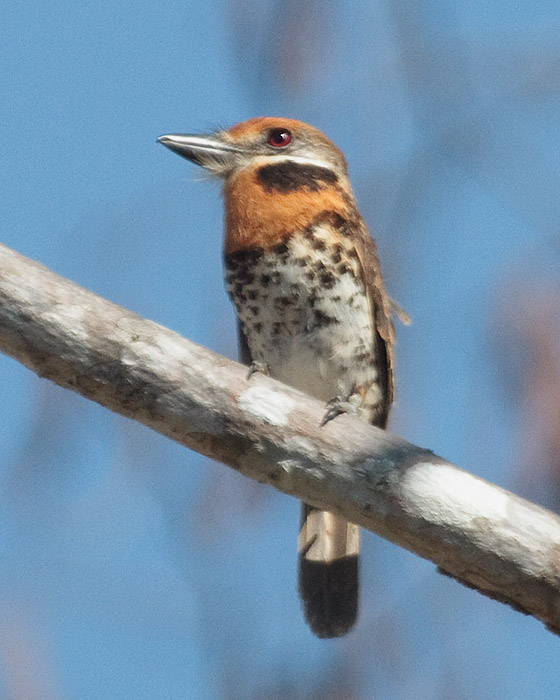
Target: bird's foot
<point>261,367</point>
<point>341,404</point>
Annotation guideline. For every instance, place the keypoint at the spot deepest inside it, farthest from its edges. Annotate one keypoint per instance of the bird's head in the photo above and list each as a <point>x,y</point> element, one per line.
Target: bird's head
<point>259,142</point>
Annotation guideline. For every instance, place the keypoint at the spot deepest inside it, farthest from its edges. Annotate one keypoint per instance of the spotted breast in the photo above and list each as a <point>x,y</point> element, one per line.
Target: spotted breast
<point>305,314</point>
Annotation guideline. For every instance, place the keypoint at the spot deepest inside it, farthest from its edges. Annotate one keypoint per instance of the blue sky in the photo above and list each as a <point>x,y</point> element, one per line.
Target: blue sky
<point>130,567</point>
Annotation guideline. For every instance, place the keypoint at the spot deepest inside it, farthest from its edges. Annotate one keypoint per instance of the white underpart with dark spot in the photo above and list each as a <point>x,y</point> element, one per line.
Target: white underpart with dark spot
<point>305,314</point>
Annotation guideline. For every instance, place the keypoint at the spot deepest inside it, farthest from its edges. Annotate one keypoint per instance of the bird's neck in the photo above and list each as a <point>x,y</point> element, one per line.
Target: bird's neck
<point>267,204</point>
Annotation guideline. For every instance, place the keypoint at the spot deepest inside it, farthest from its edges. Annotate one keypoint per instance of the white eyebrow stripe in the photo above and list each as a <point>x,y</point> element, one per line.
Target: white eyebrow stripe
<point>306,160</point>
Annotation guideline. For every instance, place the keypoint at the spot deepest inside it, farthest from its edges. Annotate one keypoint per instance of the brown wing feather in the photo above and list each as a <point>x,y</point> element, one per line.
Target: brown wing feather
<point>381,309</point>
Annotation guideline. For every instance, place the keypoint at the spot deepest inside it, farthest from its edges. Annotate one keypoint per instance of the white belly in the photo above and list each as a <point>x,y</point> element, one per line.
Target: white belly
<point>307,318</point>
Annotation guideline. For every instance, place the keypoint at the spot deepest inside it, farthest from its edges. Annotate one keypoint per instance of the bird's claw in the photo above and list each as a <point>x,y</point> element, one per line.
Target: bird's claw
<point>261,367</point>
<point>337,406</point>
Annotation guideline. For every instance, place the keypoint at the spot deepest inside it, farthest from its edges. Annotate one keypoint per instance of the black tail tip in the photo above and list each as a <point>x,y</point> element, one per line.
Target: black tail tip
<point>329,593</point>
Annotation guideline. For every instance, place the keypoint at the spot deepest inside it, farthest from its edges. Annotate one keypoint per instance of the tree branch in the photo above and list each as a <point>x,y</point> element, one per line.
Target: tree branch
<point>489,539</point>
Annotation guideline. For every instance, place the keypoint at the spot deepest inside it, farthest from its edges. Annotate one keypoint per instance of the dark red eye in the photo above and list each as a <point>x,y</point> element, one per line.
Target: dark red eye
<point>279,138</point>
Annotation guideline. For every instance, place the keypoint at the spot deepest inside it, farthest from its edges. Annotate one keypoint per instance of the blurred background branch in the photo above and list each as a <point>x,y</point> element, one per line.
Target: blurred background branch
<point>487,538</point>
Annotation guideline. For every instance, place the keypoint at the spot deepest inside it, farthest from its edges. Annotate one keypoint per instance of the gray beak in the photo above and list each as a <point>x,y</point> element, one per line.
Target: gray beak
<point>208,151</point>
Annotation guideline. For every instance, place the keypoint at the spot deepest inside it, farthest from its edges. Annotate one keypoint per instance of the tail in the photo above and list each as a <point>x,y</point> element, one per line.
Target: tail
<point>328,549</point>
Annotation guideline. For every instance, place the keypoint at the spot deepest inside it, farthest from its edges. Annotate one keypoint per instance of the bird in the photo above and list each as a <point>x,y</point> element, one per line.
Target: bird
<point>304,277</point>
